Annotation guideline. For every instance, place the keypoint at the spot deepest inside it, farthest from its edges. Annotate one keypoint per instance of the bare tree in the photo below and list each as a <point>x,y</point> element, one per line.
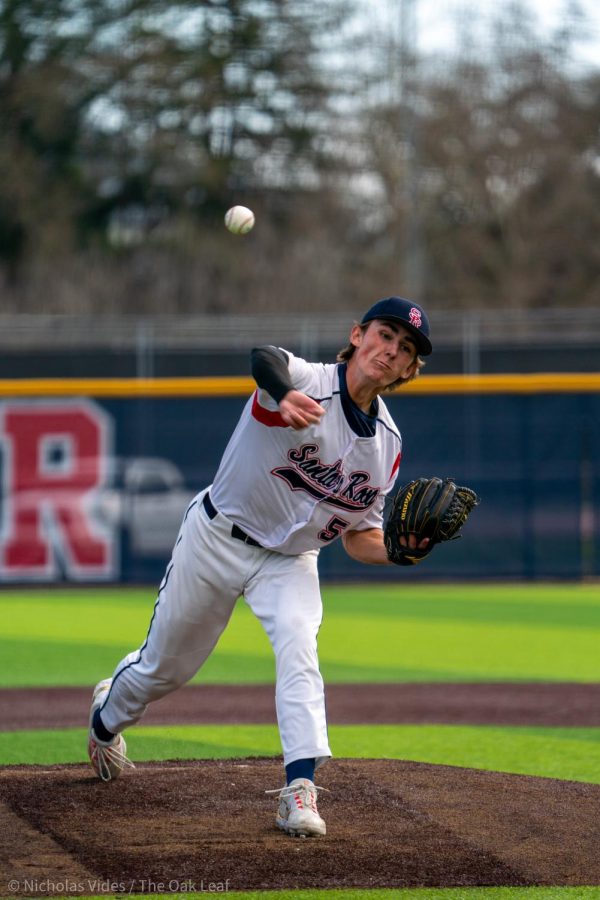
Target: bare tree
<point>507,174</point>
<point>129,127</point>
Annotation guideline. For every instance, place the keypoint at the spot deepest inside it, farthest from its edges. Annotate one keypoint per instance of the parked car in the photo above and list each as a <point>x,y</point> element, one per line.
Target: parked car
<point>146,499</point>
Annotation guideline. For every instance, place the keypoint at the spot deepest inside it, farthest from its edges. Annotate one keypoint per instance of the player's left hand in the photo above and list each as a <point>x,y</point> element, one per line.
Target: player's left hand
<point>411,542</point>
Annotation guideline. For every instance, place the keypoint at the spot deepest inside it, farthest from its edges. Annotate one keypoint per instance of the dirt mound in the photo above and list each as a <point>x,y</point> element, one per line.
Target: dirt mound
<point>182,826</point>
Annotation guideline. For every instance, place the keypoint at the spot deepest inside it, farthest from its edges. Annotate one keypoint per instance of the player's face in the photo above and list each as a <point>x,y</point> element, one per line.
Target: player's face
<point>385,352</point>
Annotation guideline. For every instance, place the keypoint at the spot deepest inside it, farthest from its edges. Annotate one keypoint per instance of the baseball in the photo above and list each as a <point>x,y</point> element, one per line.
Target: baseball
<point>239,219</point>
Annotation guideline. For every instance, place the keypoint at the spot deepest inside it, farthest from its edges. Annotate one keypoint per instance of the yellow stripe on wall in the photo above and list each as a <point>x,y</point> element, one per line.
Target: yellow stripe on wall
<point>239,386</point>
<point>127,387</point>
<point>535,383</point>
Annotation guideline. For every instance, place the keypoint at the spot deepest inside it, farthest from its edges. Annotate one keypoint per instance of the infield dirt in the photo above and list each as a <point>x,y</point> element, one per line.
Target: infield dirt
<point>553,704</point>
<point>181,826</point>
<point>390,824</point>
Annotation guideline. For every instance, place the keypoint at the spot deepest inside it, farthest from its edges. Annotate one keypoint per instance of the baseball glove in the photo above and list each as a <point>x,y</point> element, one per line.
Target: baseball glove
<point>427,507</point>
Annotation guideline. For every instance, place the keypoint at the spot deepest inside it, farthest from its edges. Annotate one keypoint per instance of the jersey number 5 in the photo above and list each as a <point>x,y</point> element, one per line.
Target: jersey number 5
<point>334,528</point>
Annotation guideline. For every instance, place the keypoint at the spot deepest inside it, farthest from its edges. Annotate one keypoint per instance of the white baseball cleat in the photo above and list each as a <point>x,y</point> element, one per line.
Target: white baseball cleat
<point>298,814</point>
<point>108,759</point>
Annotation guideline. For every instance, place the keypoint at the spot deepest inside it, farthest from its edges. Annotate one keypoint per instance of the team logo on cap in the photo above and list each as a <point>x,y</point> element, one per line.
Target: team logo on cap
<point>414,317</point>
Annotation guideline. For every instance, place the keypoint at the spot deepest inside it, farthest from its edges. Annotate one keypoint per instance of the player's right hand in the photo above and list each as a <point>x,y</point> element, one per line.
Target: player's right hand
<point>299,410</point>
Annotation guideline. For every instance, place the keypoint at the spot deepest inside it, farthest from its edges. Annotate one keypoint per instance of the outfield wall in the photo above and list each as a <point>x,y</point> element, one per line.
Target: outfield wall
<point>96,473</point>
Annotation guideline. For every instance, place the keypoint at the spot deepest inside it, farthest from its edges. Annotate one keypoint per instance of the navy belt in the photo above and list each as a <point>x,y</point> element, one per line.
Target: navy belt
<point>236,531</point>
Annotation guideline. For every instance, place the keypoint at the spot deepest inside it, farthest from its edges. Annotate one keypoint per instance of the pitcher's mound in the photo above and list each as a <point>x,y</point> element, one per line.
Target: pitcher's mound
<point>184,826</point>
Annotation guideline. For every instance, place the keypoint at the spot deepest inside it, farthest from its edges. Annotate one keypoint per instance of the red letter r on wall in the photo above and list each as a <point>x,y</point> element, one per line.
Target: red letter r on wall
<point>55,458</point>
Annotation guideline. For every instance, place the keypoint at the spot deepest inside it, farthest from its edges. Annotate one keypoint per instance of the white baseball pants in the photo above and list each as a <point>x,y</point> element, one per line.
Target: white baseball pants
<point>208,571</point>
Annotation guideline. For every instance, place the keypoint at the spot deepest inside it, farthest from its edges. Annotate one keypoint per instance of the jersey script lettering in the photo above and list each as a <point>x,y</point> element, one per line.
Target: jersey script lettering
<point>327,481</point>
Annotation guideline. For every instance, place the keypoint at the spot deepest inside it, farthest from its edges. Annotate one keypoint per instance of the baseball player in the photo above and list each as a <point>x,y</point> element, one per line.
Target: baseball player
<point>313,455</point>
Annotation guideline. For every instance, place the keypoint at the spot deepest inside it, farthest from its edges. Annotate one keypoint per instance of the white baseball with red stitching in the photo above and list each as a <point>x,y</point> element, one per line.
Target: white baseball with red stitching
<point>239,220</point>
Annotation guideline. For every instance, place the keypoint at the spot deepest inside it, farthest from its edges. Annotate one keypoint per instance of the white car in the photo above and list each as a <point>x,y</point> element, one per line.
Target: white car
<point>147,498</point>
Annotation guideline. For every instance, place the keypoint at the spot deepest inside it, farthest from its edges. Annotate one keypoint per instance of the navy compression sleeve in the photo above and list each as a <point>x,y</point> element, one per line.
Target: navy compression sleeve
<point>270,371</point>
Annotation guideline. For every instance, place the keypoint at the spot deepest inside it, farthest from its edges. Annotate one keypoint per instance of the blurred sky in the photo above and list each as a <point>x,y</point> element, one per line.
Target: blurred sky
<point>448,26</point>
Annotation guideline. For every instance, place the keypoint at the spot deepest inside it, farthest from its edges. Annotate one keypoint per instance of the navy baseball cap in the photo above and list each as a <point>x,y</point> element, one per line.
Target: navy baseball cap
<point>409,314</point>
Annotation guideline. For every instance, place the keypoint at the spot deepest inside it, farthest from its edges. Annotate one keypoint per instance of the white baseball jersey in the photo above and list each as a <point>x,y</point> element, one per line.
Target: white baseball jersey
<point>295,491</point>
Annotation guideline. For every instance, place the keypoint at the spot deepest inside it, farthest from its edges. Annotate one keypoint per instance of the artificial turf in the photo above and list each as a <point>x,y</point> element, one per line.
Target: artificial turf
<point>383,633</point>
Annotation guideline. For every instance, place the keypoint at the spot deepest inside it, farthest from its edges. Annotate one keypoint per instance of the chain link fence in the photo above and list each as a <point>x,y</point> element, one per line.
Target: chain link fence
<point>469,342</point>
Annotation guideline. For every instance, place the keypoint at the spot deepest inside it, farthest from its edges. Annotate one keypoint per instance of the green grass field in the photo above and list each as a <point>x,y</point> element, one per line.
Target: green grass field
<point>378,634</point>
<point>572,754</point>
<point>388,633</point>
